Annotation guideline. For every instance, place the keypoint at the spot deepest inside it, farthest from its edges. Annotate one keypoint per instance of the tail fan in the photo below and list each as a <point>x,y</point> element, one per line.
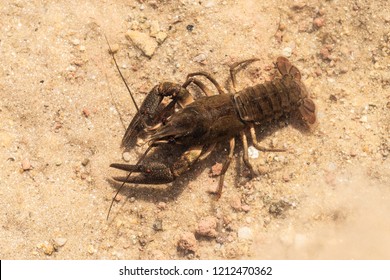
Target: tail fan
<point>308,111</point>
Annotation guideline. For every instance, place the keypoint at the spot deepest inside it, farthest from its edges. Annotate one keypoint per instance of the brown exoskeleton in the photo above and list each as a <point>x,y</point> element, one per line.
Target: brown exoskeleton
<point>199,124</point>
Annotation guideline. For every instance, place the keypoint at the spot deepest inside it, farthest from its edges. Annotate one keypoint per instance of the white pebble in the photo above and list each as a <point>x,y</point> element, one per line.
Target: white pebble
<point>287,52</point>
<point>244,233</point>
<point>200,57</point>
<point>71,68</point>
<point>59,242</point>
<point>76,42</point>
<point>253,152</point>
<point>126,156</point>
<point>364,119</point>
<point>209,4</point>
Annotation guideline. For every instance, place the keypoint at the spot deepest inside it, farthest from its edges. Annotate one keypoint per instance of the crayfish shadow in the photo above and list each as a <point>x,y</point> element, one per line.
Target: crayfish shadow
<point>170,153</point>
<point>264,131</point>
<point>152,193</point>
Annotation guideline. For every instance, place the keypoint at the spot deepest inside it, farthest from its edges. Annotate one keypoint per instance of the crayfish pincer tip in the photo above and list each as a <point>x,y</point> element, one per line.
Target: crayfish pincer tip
<point>125,167</point>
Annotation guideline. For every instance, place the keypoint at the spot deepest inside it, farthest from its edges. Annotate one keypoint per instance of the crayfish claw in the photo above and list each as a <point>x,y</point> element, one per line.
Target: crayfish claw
<point>154,173</point>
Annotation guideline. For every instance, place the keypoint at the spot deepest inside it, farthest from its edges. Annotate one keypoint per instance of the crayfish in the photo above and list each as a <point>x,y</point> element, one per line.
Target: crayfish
<point>199,124</point>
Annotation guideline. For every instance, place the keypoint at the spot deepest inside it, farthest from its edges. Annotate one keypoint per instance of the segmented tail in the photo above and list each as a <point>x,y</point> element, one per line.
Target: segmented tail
<point>307,109</point>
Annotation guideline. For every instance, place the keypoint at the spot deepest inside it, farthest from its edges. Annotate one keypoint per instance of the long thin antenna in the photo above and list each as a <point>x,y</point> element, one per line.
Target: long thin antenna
<point>137,108</point>
<point>120,73</point>
<point>128,176</point>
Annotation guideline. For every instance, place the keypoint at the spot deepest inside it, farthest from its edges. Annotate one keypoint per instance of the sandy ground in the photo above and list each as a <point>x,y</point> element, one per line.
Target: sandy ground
<point>61,107</point>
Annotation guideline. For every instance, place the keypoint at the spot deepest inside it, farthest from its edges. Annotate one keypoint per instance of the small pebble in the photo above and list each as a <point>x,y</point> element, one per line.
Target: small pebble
<point>26,165</point>
<point>363,119</point>
<point>86,112</point>
<point>76,42</point>
<point>91,250</point>
<point>286,177</point>
<point>154,28</point>
<point>287,52</point>
<point>157,225</point>
<point>118,197</point>
<point>114,48</point>
<point>298,5</point>
<point>85,162</point>
<point>207,227</point>
<point>216,169</point>
<point>119,223</point>
<point>59,242</point>
<point>143,42</point>
<point>319,22</point>
<point>78,62</point>
<point>162,205</point>
<point>126,156</point>
<point>343,69</point>
<point>235,203</point>
<point>333,98</point>
<point>200,58</point>
<point>160,37</point>
<point>244,233</point>
<point>156,32</point>
<point>48,248</point>
<point>253,152</point>
<point>353,153</point>
<point>187,242</point>
<point>57,125</point>
<point>318,72</point>
<point>325,54</point>
<point>279,36</point>
<point>262,169</point>
<point>71,68</point>
<point>245,208</point>
<point>213,188</point>
<point>209,4</point>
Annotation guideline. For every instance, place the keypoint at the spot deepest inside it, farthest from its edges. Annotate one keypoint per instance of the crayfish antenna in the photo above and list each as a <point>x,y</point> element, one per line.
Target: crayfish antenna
<point>141,120</point>
<point>120,73</point>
